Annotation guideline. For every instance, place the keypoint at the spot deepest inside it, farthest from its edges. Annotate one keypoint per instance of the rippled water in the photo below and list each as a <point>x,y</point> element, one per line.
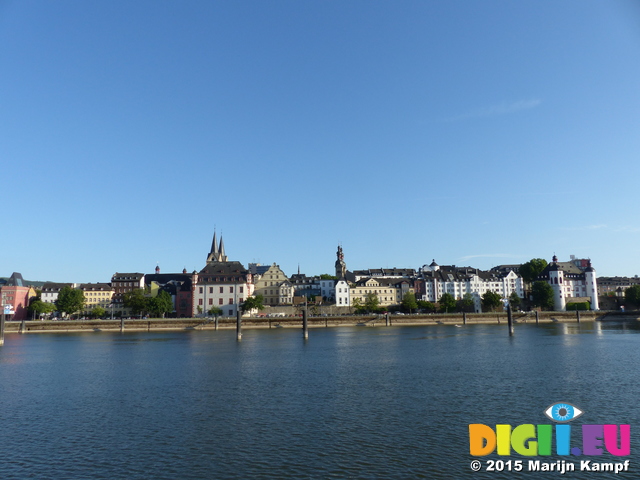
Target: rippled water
<point>348,403</point>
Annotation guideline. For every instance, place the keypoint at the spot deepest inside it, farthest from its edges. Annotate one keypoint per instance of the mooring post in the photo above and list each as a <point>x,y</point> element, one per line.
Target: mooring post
<point>121,324</point>
<point>238,325</point>
<point>537,318</point>
<point>578,315</point>
<point>22,327</point>
<point>388,319</point>
<point>464,318</point>
<point>305,326</point>
<point>510,320</point>
<point>215,321</point>
<point>2,327</point>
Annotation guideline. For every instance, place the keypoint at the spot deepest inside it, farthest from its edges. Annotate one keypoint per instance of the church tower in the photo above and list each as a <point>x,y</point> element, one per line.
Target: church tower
<point>341,267</point>
<point>216,255</point>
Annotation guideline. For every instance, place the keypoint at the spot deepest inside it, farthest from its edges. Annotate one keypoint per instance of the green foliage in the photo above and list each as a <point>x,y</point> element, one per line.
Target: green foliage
<point>356,303</point>
<point>427,306</point>
<point>215,311</point>
<point>514,300</point>
<point>572,307</point>
<point>447,303</point>
<point>161,304</point>
<point>529,271</point>
<point>371,302</point>
<point>136,301</point>
<point>466,304</point>
<point>542,294</point>
<point>326,276</point>
<point>38,307</point>
<point>98,312</point>
<point>409,302</point>
<point>253,303</point>
<point>632,296</point>
<point>491,300</point>
<point>70,300</point>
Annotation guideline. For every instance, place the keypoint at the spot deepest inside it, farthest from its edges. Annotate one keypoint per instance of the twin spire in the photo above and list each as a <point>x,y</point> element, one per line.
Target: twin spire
<point>217,251</point>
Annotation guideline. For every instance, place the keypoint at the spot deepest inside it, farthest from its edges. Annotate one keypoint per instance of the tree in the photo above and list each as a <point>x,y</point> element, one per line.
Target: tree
<point>447,303</point>
<point>542,295</point>
<point>529,271</point>
<point>427,306</point>
<point>136,301</point>
<point>98,312</point>
<point>215,311</point>
<point>409,302</point>
<point>467,304</point>
<point>515,300</point>
<point>371,302</point>
<point>326,276</point>
<point>161,304</point>
<point>253,303</point>
<point>70,300</point>
<point>356,303</point>
<point>491,300</point>
<point>38,308</point>
<point>632,296</point>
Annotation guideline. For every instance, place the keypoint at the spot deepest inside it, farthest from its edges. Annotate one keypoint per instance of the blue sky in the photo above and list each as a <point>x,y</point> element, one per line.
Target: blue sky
<point>474,133</point>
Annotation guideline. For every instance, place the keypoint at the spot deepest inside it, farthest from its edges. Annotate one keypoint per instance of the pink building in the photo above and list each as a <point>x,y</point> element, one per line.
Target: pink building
<point>16,294</point>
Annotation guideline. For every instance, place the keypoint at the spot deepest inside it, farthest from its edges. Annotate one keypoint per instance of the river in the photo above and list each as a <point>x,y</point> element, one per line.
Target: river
<point>350,402</point>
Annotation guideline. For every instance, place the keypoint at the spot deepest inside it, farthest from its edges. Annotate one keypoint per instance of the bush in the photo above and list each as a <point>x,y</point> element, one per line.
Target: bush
<point>572,307</point>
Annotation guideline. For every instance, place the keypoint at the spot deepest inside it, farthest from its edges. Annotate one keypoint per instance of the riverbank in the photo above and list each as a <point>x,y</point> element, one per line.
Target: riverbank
<point>158,324</point>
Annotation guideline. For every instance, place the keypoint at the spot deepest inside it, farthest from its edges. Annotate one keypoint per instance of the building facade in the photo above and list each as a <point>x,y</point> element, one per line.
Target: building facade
<point>220,284</point>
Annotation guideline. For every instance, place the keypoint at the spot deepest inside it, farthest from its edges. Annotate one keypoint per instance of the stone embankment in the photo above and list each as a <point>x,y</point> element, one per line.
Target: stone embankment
<point>156,324</point>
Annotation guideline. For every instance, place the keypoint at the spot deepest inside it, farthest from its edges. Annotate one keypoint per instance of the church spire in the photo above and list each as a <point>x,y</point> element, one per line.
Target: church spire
<point>217,250</point>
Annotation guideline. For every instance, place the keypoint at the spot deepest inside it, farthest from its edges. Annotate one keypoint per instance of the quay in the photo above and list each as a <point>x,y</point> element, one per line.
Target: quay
<point>158,324</point>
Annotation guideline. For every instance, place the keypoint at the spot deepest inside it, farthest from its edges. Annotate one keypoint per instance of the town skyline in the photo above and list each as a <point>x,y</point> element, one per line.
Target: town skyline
<point>475,133</point>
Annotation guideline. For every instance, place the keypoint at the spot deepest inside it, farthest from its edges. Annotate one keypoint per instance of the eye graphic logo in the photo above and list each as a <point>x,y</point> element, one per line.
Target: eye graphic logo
<point>563,412</point>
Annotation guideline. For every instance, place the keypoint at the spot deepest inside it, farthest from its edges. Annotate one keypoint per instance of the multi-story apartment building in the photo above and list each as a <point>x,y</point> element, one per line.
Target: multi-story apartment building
<point>97,295</point>
<point>123,283</point>
<point>274,286</point>
<point>50,291</point>
<point>389,291</point>
<point>435,280</point>
<point>221,283</point>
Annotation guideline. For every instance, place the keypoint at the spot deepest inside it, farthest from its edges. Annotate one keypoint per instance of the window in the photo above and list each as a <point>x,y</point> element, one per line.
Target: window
<point>231,301</point>
<point>201,289</point>
<point>220,301</point>
<point>211,301</point>
<point>241,299</point>
<point>199,301</point>
<point>221,289</point>
<point>241,289</point>
<point>230,289</point>
<point>231,313</point>
<point>210,289</point>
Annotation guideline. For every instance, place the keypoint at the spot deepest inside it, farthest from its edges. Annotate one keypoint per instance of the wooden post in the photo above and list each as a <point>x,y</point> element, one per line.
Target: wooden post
<point>2,327</point>
<point>464,318</point>
<point>537,318</point>
<point>22,327</point>
<point>121,324</point>
<point>238,325</point>
<point>216,321</point>
<point>578,315</point>
<point>305,326</point>
<point>388,319</point>
<point>510,320</point>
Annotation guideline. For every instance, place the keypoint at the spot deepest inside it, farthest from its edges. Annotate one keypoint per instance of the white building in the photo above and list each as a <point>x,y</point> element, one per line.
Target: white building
<point>572,282</point>
<point>435,281</point>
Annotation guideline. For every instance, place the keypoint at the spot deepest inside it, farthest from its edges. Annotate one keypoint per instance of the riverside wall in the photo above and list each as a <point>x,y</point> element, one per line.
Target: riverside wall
<point>156,324</point>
